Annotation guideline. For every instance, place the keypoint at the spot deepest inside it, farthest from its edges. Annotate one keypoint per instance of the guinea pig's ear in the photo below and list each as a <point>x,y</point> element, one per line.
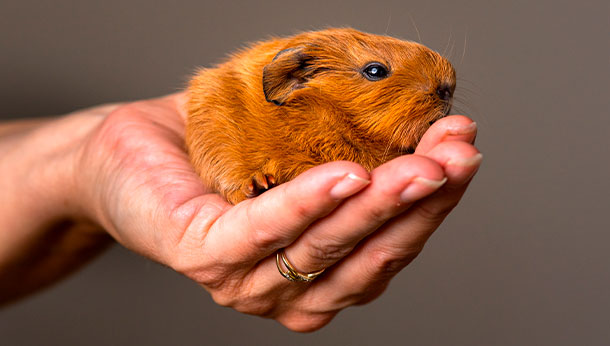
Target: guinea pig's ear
<point>288,71</point>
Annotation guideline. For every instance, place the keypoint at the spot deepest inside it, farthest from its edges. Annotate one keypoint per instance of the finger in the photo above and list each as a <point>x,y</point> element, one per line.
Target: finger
<point>460,162</point>
<point>394,187</point>
<point>451,128</point>
<point>256,228</point>
<point>376,260</point>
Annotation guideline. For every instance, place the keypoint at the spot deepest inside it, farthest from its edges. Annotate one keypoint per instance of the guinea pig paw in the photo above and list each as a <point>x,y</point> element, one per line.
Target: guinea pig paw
<point>258,184</point>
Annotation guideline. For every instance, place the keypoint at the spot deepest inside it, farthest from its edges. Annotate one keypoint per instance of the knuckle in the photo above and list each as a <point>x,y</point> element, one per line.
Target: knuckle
<point>372,294</point>
<point>211,276</point>
<point>325,252</point>
<point>230,293</point>
<point>212,279</point>
<point>362,293</point>
<point>306,322</point>
<point>434,212</point>
<point>243,299</point>
<point>379,215</point>
<point>193,222</point>
<point>353,297</point>
<point>301,210</point>
<point>262,236</point>
<point>258,307</point>
<point>224,298</point>
<point>386,263</point>
<point>207,271</point>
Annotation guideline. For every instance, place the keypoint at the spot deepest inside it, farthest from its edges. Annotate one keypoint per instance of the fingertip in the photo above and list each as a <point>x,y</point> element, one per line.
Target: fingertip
<point>339,180</point>
<point>453,151</point>
<point>348,185</point>
<point>469,161</point>
<point>453,120</point>
<point>460,160</point>
<point>450,128</point>
<point>412,165</point>
<point>402,171</point>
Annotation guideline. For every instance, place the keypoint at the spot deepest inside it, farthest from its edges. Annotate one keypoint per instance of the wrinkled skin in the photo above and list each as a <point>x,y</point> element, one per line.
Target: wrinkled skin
<point>136,182</point>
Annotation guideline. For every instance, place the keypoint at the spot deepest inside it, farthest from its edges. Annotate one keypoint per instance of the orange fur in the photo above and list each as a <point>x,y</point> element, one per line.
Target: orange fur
<point>328,110</point>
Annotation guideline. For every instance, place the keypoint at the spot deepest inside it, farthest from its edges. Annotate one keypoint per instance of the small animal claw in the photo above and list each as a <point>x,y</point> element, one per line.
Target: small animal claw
<point>259,183</point>
<point>270,180</point>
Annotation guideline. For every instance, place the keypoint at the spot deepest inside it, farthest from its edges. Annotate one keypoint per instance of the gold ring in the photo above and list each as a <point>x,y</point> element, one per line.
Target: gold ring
<point>292,274</point>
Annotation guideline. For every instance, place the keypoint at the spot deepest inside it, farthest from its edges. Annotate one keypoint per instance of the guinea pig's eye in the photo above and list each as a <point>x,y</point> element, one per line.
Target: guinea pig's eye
<point>374,71</point>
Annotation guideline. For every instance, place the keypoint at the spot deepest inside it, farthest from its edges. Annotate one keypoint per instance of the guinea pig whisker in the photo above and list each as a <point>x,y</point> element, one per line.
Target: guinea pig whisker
<point>396,136</point>
<point>416,30</point>
<point>447,45</point>
<point>388,146</point>
<point>452,49</point>
<point>387,27</point>
<point>464,49</point>
<point>468,89</point>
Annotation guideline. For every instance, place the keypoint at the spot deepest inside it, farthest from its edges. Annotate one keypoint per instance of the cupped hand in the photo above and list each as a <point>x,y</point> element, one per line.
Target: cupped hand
<point>136,181</point>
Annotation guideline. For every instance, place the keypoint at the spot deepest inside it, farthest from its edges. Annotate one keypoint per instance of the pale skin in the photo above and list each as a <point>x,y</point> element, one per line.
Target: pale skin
<point>72,184</point>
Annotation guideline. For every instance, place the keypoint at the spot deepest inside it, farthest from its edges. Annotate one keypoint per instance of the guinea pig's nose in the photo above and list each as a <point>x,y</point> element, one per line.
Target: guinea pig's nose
<point>444,92</point>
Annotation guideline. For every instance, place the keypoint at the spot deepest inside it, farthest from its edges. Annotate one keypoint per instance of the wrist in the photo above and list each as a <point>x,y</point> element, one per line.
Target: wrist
<point>44,234</point>
<point>38,166</point>
<point>40,170</point>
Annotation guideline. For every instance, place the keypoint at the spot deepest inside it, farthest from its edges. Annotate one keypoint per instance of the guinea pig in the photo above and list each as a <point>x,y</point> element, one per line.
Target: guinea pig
<point>285,105</point>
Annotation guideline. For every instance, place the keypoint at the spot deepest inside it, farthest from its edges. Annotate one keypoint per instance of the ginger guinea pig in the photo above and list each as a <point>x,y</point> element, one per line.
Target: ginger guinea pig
<point>285,105</point>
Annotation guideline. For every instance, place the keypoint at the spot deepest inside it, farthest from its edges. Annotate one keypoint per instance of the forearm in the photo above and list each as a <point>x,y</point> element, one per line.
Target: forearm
<point>16,127</point>
<point>43,234</point>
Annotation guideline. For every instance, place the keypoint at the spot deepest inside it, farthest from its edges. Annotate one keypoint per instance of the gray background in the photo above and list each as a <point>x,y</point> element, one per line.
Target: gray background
<point>523,260</point>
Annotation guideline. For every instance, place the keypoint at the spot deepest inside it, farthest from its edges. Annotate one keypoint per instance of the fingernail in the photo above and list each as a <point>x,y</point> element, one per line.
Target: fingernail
<point>466,162</point>
<point>349,185</point>
<point>462,130</point>
<point>420,187</point>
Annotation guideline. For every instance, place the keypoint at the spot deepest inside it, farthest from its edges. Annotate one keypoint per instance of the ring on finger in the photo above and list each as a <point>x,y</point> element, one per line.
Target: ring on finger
<point>292,274</point>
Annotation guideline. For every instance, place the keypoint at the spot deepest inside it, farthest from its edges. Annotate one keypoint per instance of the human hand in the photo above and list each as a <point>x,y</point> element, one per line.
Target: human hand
<point>136,181</point>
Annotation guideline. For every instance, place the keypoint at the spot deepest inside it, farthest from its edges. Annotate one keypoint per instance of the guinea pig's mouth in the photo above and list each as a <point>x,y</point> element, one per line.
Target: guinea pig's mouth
<point>446,112</point>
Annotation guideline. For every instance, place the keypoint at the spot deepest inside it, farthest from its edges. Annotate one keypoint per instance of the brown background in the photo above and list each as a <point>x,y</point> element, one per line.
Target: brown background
<point>523,260</point>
